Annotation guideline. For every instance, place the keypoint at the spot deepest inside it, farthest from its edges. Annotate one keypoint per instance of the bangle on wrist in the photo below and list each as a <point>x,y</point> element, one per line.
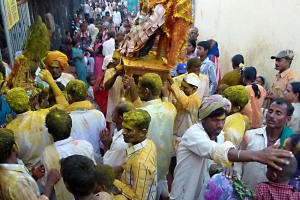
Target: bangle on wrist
<point>238,156</point>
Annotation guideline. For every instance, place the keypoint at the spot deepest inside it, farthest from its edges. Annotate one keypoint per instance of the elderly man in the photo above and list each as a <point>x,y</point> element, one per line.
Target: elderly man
<point>278,115</point>
<point>285,75</point>
<point>59,124</point>
<point>194,33</point>
<point>29,126</point>
<point>87,122</point>
<point>198,147</point>
<point>56,62</point>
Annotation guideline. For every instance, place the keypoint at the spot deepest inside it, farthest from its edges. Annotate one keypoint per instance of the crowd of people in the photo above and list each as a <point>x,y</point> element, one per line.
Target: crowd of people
<point>107,135</point>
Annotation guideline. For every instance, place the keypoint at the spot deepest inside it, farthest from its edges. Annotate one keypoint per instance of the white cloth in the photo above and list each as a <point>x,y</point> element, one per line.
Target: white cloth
<point>65,78</point>
<point>66,148</point>
<point>21,174</point>
<point>113,93</point>
<point>108,47</point>
<point>295,121</point>
<point>86,8</point>
<point>195,153</point>
<point>160,131</point>
<point>117,18</point>
<point>87,125</point>
<point>116,155</point>
<point>253,173</point>
<point>107,59</point>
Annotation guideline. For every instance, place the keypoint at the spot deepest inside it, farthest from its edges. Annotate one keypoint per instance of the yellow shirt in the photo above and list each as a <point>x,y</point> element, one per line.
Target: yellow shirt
<point>187,110</point>
<point>281,82</point>
<point>140,174</point>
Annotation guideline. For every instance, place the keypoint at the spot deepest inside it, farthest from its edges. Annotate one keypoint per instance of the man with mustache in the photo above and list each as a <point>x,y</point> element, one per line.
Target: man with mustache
<point>276,132</point>
<point>285,75</point>
<point>198,147</point>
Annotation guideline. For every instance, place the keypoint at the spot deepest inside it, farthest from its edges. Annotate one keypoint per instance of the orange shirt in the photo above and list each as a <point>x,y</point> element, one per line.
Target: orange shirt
<point>281,82</point>
<point>256,105</point>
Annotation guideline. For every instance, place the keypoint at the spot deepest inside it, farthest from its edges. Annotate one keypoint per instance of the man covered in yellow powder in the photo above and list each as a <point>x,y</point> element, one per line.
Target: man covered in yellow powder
<point>29,127</point>
<point>162,121</point>
<point>87,122</point>
<point>15,181</point>
<point>57,62</point>
<point>139,177</point>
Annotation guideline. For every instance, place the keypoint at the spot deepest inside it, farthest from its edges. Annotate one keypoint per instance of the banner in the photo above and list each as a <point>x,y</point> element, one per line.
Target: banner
<point>12,15</point>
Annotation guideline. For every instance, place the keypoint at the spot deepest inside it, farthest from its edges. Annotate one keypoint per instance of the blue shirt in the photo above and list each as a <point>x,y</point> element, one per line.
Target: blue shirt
<point>209,69</point>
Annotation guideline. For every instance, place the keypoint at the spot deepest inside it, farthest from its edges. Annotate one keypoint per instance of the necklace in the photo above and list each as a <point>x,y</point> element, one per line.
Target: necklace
<point>272,141</point>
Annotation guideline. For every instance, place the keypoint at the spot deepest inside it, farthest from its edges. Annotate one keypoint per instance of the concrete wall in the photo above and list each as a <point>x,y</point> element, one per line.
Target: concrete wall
<point>256,29</point>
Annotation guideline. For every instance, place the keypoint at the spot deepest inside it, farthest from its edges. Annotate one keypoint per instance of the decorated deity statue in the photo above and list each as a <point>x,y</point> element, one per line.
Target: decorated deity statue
<point>170,19</point>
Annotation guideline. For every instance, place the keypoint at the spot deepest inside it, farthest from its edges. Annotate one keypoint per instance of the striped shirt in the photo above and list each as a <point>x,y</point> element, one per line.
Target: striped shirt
<point>140,174</point>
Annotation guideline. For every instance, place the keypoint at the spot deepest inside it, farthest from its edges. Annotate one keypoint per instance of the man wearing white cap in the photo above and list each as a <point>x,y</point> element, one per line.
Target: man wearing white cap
<point>285,75</point>
<point>187,102</point>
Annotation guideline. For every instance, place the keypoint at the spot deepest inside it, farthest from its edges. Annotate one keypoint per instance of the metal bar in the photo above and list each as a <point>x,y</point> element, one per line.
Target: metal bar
<point>5,26</point>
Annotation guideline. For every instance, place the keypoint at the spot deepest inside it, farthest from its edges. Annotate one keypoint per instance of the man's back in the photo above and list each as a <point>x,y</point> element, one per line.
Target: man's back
<point>161,131</point>
<point>86,125</point>
<point>31,135</point>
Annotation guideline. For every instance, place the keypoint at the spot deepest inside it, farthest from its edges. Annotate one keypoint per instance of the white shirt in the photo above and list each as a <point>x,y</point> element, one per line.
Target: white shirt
<point>253,172</point>
<point>116,155</point>
<point>66,148</point>
<point>86,8</point>
<point>108,47</point>
<point>195,153</point>
<point>87,125</point>
<point>117,18</point>
<point>295,121</point>
<point>160,131</point>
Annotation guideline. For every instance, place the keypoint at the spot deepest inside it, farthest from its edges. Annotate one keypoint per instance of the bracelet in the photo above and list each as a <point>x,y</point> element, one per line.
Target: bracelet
<point>239,155</point>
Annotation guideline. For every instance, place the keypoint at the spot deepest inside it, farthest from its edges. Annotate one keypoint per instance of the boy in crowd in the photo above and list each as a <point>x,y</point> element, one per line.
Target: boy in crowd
<point>277,187</point>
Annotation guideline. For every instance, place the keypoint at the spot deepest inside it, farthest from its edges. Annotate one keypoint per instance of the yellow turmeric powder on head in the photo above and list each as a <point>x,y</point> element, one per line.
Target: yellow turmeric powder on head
<point>17,98</point>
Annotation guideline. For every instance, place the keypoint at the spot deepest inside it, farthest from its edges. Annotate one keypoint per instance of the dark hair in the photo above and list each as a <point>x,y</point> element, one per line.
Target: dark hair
<point>296,88</point>
<point>91,20</point>
<point>262,79</point>
<point>205,45</point>
<point>237,60</point>
<point>2,69</point>
<point>124,106</point>
<point>79,173</point>
<point>83,38</point>
<point>74,42</point>
<point>249,73</point>
<point>89,77</point>
<point>282,100</point>
<point>192,42</point>
<point>59,124</point>
<point>105,175</point>
<point>111,34</point>
<point>217,113</point>
<point>193,63</point>
<point>7,142</point>
<point>67,32</point>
